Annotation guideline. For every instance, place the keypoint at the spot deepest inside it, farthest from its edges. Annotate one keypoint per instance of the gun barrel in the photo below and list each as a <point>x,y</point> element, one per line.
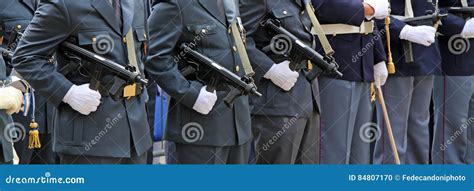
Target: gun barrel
<point>464,12</point>
<point>461,9</point>
<point>116,68</point>
<point>424,20</point>
<point>308,52</point>
<point>230,77</point>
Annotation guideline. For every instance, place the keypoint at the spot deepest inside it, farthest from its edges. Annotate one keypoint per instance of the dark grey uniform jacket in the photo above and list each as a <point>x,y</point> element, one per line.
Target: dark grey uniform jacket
<point>108,131</point>
<point>14,13</point>
<point>302,99</point>
<point>173,22</point>
<point>6,147</point>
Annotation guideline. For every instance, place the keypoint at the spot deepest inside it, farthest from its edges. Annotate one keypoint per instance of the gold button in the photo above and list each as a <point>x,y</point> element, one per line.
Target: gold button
<point>229,31</point>
<point>234,48</point>
<point>302,12</point>
<point>237,68</point>
<point>18,26</point>
<point>285,12</point>
<point>124,40</point>
<point>144,35</point>
<point>94,39</point>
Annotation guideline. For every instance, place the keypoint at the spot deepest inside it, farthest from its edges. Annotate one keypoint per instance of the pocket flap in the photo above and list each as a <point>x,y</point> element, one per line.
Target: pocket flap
<point>90,37</point>
<point>202,28</point>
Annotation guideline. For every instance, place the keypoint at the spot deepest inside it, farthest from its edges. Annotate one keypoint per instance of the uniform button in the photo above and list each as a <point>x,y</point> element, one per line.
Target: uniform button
<point>229,31</point>
<point>302,12</point>
<point>124,40</point>
<point>234,48</point>
<point>18,26</point>
<point>94,39</point>
<point>237,68</point>
<point>285,12</point>
<point>144,35</point>
<point>204,31</point>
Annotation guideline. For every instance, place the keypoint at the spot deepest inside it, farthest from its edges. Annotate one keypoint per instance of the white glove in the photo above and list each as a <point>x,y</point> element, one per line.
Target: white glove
<point>205,101</point>
<point>380,74</point>
<point>11,100</point>
<point>424,35</point>
<point>381,8</point>
<point>282,76</point>
<point>468,30</point>
<point>82,99</point>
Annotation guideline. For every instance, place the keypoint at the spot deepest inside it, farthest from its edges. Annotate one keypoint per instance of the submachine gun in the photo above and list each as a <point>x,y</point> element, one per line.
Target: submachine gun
<point>214,76</point>
<point>299,52</point>
<point>125,75</point>
<point>430,19</point>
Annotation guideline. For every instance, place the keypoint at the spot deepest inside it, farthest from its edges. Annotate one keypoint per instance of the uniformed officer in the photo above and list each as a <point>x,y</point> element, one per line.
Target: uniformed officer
<point>346,102</point>
<point>408,92</point>
<point>91,127</point>
<point>204,129</point>
<point>285,120</point>
<point>10,103</point>
<point>16,14</point>
<point>454,90</point>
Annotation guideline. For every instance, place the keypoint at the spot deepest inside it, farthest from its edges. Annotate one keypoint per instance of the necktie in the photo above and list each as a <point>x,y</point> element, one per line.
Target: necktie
<point>118,9</point>
<point>408,9</point>
<point>220,5</point>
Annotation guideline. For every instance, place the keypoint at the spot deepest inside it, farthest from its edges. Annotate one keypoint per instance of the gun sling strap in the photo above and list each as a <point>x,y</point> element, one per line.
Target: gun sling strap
<point>131,90</point>
<point>237,30</point>
<point>319,30</point>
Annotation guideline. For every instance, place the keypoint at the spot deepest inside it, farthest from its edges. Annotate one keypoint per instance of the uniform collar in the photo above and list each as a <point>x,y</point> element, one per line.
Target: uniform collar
<point>108,14</point>
<point>299,3</point>
<point>213,9</point>
<point>30,4</point>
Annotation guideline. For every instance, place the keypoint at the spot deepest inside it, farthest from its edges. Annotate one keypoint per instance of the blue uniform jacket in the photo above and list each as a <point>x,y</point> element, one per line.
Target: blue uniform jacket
<point>356,54</point>
<point>427,59</point>
<point>456,61</point>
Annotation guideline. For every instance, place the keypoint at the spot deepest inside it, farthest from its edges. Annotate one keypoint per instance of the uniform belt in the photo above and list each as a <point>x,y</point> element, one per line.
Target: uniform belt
<point>335,29</point>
